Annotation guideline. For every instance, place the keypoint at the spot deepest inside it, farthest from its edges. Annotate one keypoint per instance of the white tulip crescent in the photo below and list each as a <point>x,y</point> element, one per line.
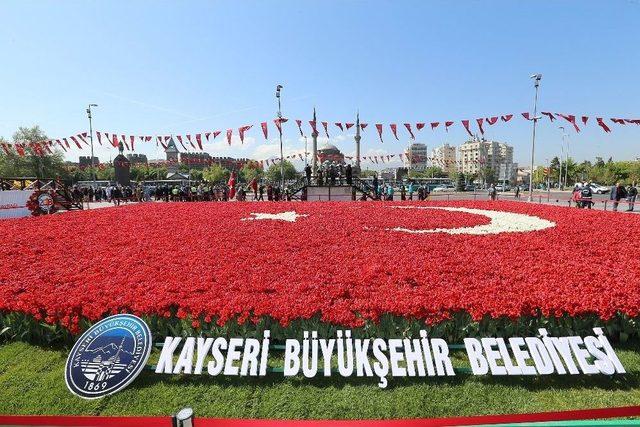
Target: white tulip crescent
<point>501,222</point>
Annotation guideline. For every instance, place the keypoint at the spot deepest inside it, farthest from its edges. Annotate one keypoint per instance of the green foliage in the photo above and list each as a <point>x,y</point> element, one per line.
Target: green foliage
<point>45,166</point>
<point>367,173</point>
<point>273,173</point>
<point>488,175</point>
<point>460,182</point>
<point>250,171</point>
<point>24,327</point>
<point>32,383</point>
<point>605,173</point>
<point>429,172</point>
<point>216,174</point>
<point>197,174</point>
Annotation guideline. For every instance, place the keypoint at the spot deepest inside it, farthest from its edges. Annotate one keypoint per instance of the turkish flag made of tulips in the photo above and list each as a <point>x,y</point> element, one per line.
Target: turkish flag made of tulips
<point>344,262</point>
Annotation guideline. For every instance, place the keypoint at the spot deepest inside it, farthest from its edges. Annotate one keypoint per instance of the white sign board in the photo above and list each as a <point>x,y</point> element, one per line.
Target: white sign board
<point>13,203</point>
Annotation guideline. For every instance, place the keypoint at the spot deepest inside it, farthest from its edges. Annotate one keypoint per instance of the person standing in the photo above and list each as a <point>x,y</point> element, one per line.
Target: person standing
<point>517,192</point>
<point>307,173</point>
<point>375,183</point>
<point>403,193</point>
<point>348,174</point>
<point>493,192</point>
<point>620,193</point>
<point>411,189</point>
<point>632,193</point>
<point>254,186</point>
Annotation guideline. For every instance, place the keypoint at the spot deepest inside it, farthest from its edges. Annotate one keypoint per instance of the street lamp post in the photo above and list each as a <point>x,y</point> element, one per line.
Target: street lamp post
<point>536,79</point>
<point>305,152</point>
<point>278,88</point>
<point>560,186</point>
<point>566,164</point>
<point>93,171</point>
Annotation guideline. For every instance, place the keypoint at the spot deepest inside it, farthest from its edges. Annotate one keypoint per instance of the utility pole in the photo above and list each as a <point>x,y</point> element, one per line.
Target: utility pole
<point>536,78</point>
<point>93,171</point>
<point>357,138</point>
<point>278,88</point>
<point>314,151</point>
<point>566,165</point>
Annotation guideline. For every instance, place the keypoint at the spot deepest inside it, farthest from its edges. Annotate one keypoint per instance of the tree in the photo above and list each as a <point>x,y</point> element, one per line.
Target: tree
<point>273,173</point>
<point>366,173</point>
<point>429,172</point>
<point>106,174</point>
<point>488,175</point>
<point>250,171</point>
<point>31,164</point>
<point>460,182</point>
<point>216,174</point>
<point>196,175</point>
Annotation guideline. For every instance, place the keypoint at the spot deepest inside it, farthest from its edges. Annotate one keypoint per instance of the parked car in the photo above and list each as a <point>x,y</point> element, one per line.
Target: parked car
<point>599,189</point>
<point>469,187</point>
<point>444,188</point>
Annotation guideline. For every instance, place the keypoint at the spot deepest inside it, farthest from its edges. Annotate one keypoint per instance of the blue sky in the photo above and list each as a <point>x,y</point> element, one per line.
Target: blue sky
<point>161,67</point>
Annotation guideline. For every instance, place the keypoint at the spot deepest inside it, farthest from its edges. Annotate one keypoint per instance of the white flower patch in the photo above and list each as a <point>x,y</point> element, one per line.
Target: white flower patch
<point>501,222</point>
<point>289,216</point>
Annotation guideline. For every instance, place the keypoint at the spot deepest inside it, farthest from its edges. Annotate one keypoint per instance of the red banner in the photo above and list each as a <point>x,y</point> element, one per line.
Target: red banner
<point>313,124</point>
<point>242,131</point>
<point>465,123</point>
<point>379,127</point>
<point>408,126</point>
<point>326,128</point>
<point>394,130</point>
<point>602,124</point>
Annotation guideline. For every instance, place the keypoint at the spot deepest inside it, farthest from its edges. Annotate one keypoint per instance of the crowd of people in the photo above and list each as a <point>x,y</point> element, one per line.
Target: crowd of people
<point>582,195</point>
<point>197,191</point>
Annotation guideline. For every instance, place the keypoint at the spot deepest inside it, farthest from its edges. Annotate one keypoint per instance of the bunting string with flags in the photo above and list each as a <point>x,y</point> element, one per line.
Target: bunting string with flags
<point>130,142</point>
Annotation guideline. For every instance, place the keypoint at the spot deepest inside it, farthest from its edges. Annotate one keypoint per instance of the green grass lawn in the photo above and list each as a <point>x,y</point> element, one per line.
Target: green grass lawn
<point>32,382</point>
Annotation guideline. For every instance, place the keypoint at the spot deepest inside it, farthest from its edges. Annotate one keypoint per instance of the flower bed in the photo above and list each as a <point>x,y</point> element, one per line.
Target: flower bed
<point>357,265</point>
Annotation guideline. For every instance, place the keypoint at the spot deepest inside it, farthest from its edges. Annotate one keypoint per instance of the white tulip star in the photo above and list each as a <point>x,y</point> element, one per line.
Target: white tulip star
<point>289,216</point>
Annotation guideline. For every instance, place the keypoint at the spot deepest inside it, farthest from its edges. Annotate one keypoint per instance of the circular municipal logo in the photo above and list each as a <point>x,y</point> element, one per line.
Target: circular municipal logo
<point>108,356</point>
<point>45,201</point>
